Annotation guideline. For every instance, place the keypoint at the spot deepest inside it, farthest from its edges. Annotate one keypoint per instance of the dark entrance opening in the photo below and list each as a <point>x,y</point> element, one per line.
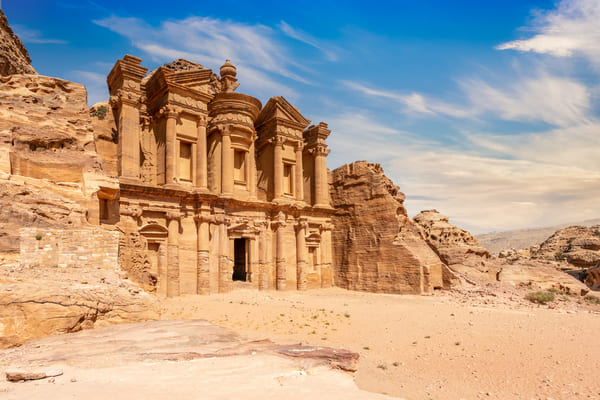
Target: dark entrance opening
<point>239,260</point>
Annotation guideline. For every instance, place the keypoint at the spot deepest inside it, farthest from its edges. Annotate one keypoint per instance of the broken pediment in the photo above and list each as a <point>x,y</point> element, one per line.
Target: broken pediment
<point>278,111</point>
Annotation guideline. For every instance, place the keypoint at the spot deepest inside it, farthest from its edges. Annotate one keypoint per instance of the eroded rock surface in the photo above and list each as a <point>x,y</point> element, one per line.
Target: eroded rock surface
<point>37,302</point>
<point>577,245</point>
<point>49,170</point>
<point>457,248</point>
<point>14,57</point>
<point>376,247</point>
<point>180,359</point>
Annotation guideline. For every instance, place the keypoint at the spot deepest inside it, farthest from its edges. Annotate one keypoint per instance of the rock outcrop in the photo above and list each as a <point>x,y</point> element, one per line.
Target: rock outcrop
<point>376,247</point>
<point>50,173</point>
<point>457,248</point>
<point>38,301</point>
<point>180,359</point>
<point>577,245</point>
<point>14,57</point>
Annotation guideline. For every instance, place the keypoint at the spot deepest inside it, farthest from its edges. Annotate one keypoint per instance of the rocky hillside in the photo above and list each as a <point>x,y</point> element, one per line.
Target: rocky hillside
<point>376,247</point>
<point>14,57</point>
<point>456,247</point>
<point>496,242</point>
<point>577,245</point>
<point>468,259</point>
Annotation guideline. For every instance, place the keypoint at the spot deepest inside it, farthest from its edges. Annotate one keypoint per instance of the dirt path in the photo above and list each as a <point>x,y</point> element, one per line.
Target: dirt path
<point>425,347</point>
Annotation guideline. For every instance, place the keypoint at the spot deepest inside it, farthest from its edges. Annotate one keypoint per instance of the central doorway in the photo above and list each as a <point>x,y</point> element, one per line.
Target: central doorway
<point>239,260</point>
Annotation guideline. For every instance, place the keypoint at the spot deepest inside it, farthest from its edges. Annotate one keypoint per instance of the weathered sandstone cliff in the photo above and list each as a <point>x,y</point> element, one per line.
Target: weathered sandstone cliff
<point>14,57</point>
<point>41,301</point>
<point>50,173</point>
<point>376,247</point>
<point>577,245</point>
<point>464,255</point>
<point>457,248</point>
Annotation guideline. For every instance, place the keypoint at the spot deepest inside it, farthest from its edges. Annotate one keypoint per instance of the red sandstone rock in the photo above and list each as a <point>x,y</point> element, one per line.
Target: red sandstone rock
<point>14,58</point>
<point>376,247</point>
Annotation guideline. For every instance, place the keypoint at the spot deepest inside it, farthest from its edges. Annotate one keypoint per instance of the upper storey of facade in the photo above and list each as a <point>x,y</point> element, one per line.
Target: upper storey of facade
<point>183,127</point>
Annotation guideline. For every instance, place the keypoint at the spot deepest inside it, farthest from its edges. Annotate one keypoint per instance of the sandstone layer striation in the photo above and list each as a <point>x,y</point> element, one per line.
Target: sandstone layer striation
<point>180,359</point>
<point>14,57</point>
<point>376,247</point>
<point>38,301</point>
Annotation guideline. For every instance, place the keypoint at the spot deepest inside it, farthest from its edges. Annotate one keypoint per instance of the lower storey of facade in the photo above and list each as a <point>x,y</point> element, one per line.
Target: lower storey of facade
<point>202,244</point>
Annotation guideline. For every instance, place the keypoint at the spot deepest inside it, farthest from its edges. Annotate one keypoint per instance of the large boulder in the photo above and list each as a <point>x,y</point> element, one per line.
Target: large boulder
<point>579,246</point>
<point>376,247</point>
<point>14,58</point>
<point>457,248</point>
<point>38,301</point>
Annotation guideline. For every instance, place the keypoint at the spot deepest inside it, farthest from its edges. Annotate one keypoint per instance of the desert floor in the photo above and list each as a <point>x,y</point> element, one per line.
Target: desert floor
<point>446,346</point>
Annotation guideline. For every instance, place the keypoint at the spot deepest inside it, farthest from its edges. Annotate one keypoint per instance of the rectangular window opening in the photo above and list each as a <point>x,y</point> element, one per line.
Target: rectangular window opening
<point>239,166</point>
<point>185,161</point>
<point>288,181</point>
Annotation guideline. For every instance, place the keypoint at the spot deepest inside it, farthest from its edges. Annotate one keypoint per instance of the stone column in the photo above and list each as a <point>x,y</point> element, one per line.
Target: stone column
<point>225,272</point>
<point>202,249</point>
<point>277,167</point>
<point>161,290</point>
<point>129,139</point>
<point>321,185</point>
<point>226,162</point>
<point>201,155</point>
<point>263,278</point>
<point>326,270</point>
<point>173,253</point>
<point>280,263</point>
<point>299,184</point>
<point>252,170</point>
<point>253,273</point>
<point>170,145</point>
<point>301,254</point>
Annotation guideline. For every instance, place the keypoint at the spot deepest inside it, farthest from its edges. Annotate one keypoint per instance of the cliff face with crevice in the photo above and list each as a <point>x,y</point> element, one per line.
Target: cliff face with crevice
<point>50,172</point>
<point>14,57</point>
<point>376,247</point>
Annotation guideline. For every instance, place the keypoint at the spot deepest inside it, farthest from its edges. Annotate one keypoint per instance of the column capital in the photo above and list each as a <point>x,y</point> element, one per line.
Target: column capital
<point>225,130</point>
<point>202,121</point>
<point>132,210</point>
<point>302,223</point>
<point>277,140</point>
<point>326,226</point>
<point>169,111</point>
<point>173,215</point>
<point>299,146</point>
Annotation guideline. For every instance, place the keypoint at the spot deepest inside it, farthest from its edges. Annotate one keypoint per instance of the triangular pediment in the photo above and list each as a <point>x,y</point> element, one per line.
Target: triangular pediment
<point>279,109</point>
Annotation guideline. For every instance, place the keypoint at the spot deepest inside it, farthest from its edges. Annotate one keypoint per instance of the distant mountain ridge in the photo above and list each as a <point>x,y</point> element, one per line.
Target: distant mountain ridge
<point>524,238</point>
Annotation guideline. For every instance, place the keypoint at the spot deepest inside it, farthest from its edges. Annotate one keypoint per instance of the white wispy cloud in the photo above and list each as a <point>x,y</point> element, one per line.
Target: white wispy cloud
<point>28,35</point>
<point>95,84</point>
<point>531,179</point>
<point>327,50</point>
<point>543,97</point>
<point>572,28</point>
<point>252,48</point>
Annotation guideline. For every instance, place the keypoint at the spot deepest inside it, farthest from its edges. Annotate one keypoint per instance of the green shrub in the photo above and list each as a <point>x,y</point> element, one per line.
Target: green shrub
<point>99,112</point>
<point>38,237</point>
<point>559,256</point>
<point>540,297</point>
<point>591,299</point>
<point>555,291</point>
<point>597,233</point>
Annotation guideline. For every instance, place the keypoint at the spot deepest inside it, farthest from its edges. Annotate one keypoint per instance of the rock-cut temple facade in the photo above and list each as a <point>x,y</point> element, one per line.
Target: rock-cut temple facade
<point>215,190</point>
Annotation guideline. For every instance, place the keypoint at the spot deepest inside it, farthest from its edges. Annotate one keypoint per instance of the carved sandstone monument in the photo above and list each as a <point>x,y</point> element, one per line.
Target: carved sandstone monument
<point>377,248</point>
<point>212,187</point>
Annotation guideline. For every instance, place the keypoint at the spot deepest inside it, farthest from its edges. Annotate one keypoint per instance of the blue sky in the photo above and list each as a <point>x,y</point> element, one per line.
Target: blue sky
<point>486,111</point>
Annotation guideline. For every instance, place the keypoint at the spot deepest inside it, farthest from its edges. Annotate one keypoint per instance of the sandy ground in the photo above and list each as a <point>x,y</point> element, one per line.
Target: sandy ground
<point>448,346</point>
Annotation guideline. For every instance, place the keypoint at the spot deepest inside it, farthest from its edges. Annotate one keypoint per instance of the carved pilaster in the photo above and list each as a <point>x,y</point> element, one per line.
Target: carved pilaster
<point>301,228</point>
<point>280,262</point>
<point>173,218</point>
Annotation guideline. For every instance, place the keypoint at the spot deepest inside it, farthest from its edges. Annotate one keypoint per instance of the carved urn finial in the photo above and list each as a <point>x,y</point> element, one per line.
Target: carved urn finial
<point>228,77</point>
